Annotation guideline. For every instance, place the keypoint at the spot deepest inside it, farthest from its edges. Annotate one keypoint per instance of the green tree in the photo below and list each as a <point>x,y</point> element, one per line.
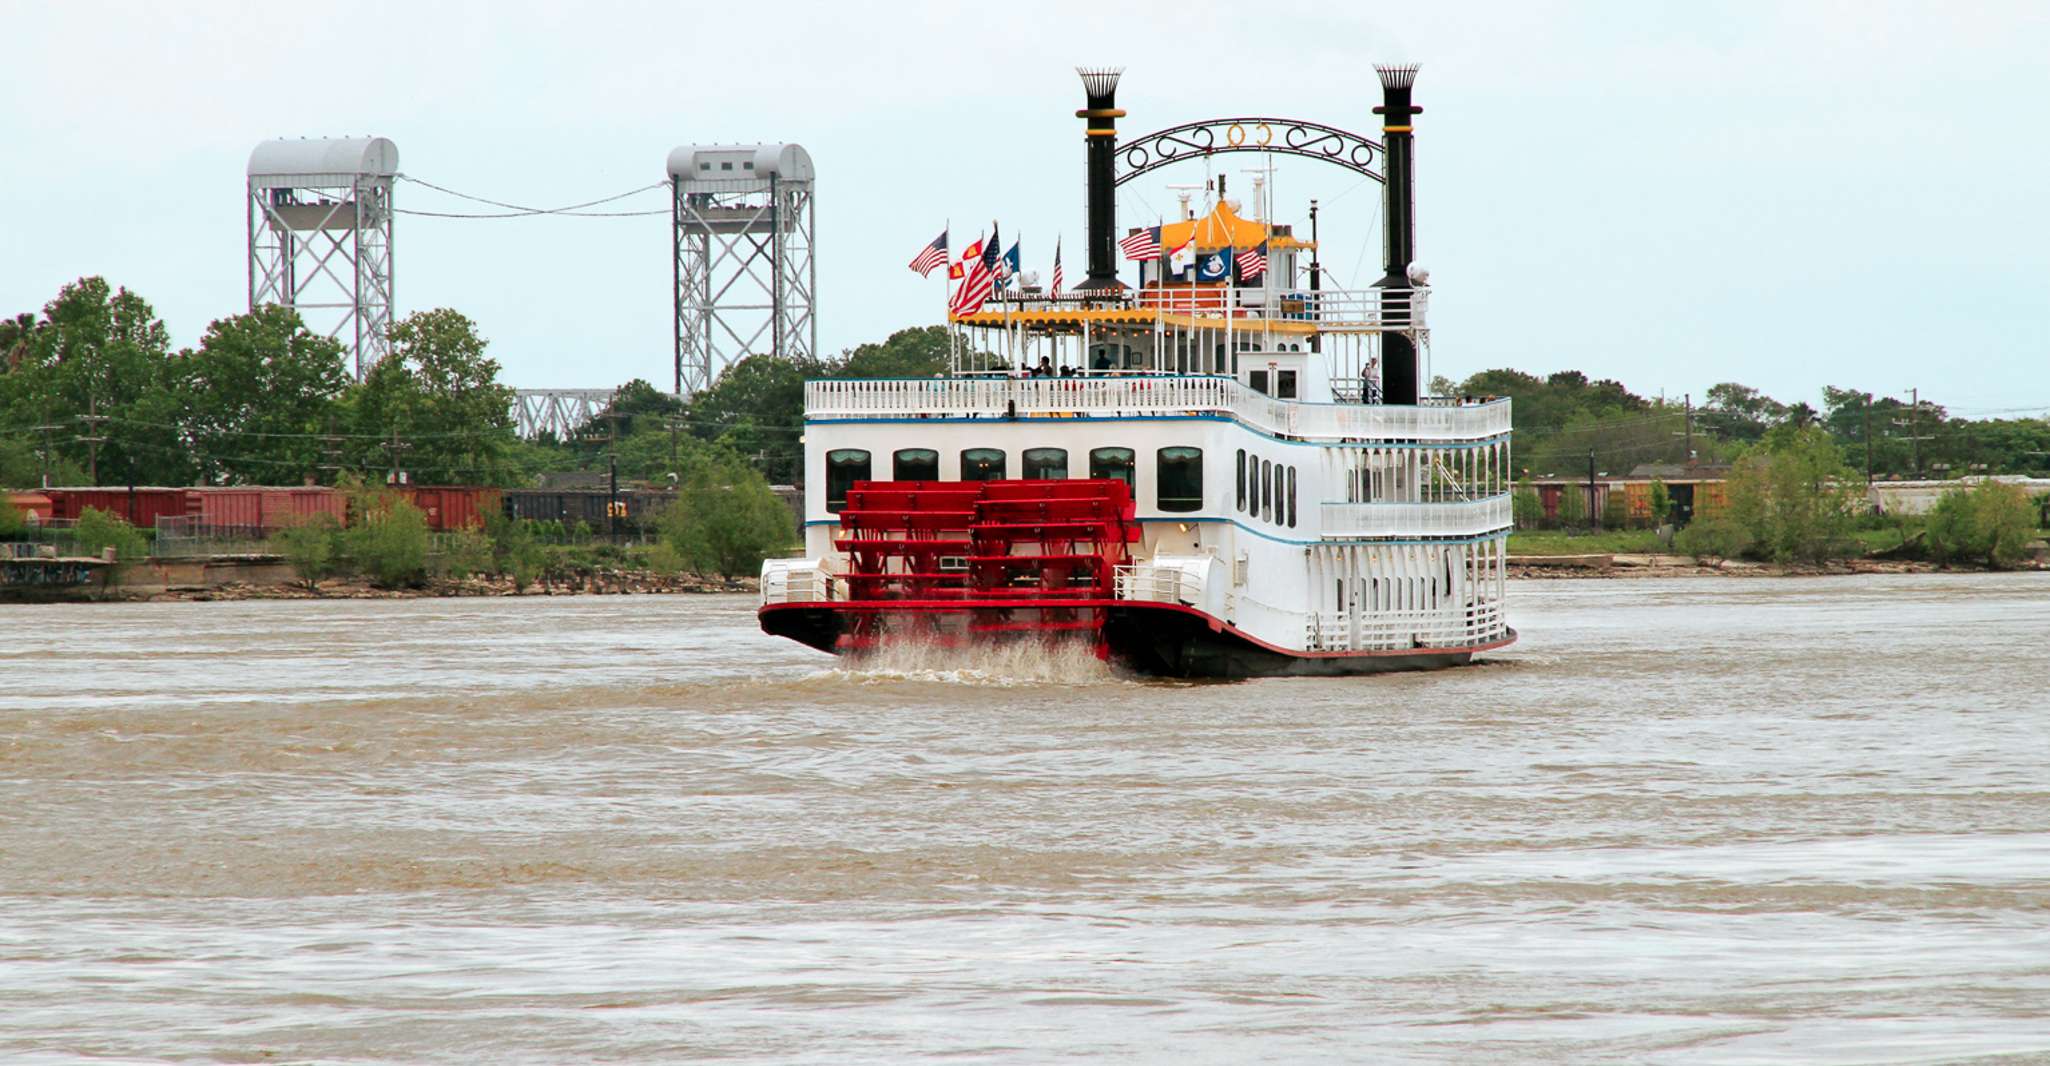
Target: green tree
<point>256,395</point>
<point>757,409</point>
<point>436,399</point>
<point>1795,497</point>
<point>1739,412</point>
<point>1615,509</point>
<point>1661,502</point>
<point>726,520</point>
<point>1572,507</point>
<point>95,367</point>
<point>908,353</point>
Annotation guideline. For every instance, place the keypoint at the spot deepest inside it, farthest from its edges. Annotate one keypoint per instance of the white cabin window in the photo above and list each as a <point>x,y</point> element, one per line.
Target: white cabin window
<point>1046,464</point>
<point>915,464</point>
<point>1179,477</point>
<point>844,467</point>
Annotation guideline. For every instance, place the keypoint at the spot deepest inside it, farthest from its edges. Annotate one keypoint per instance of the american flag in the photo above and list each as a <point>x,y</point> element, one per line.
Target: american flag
<point>1253,262</point>
<point>981,280</point>
<point>933,256</point>
<point>1142,245</point>
<point>1056,290</point>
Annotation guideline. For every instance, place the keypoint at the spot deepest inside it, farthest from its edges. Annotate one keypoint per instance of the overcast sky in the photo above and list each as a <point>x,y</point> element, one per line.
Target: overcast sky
<point>1786,195</point>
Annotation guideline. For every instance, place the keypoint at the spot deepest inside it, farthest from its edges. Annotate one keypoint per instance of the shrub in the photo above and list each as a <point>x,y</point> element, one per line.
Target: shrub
<point>514,550</point>
<point>468,551</point>
<point>1661,502</point>
<point>1572,506</point>
<point>725,519</point>
<point>1712,540</point>
<point>1525,505</point>
<point>389,543</point>
<point>13,520</point>
<point>1615,510</point>
<point>1990,523</point>
<point>309,546</point>
<point>98,530</point>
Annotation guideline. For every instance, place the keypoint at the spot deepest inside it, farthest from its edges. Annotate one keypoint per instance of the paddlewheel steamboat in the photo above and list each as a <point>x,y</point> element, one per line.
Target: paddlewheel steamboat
<point>1224,469</point>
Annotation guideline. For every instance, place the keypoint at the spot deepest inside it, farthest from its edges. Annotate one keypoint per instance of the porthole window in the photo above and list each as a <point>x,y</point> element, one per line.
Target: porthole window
<point>1113,463</point>
<point>1046,464</point>
<point>1180,479</point>
<point>915,464</point>
<point>1241,465</point>
<point>982,464</point>
<point>844,467</point>
<point>1267,490</point>
<point>1291,497</point>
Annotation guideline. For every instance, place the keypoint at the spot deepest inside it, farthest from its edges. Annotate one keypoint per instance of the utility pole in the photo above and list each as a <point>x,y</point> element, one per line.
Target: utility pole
<point>1316,286</point>
<point>1688,399</point>
<point>1593,512</point>
<point>612,505</point>
<point>1913,425</point>
<point>395,449</point>
<point>93,441</point>
<point>1867,431</point>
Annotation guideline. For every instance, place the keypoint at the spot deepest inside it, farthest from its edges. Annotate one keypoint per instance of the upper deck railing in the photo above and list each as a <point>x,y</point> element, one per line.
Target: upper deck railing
<point>1330,310</point>
<point>1152,396</point>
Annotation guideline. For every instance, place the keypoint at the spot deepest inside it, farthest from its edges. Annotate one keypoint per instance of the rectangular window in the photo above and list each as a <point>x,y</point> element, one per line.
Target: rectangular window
<point>1257,381</point>
<point>982,464</point>
<point>844,467</point>
<point>1180,479</point>
<point>1113,463</point>
<point>915,464</point>
<point>1046,464</point>
<point>1241,465</point>
<point>1291,497</point>
<point>1284,384</point>
<point>1267,490</point>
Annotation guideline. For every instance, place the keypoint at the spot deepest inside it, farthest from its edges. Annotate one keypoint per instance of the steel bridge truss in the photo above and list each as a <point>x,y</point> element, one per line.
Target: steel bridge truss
<point>322,245</point>
<point>560,412</point>
<point>746,279</point>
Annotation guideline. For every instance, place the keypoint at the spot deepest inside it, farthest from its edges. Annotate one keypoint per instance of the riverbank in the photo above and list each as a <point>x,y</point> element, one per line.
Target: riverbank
<point>592,583</point>
<point>1626,565</point>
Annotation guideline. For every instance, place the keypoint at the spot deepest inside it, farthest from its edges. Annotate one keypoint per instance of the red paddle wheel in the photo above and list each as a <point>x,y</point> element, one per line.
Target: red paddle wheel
<point>950,561</point>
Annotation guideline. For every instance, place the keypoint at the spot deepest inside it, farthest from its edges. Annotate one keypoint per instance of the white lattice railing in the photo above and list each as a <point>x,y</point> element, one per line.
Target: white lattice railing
<point>1159,584</point>
<point>1464,518</point>
<point>1400,630</point>
<point>1149,396</point>
<point>797,585</point>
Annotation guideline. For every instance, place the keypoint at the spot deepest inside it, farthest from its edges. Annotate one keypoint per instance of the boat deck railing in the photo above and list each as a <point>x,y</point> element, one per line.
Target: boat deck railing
<point>1459,518</point>
<point>1152,395</point>
<point>1329,310</point>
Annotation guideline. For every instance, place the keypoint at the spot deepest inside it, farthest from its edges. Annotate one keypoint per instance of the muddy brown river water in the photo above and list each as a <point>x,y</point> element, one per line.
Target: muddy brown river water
<point>1689,821</point>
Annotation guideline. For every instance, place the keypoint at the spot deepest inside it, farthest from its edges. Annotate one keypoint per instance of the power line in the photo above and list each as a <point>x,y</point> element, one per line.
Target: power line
<point>523,211</point>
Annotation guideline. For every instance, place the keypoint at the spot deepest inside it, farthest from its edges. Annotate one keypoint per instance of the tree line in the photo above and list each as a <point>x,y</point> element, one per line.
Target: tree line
<point>1560,418</point>
<point>93,393</point>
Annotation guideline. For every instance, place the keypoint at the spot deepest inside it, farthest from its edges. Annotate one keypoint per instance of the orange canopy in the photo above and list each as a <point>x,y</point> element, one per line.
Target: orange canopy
<point>1222,228</point>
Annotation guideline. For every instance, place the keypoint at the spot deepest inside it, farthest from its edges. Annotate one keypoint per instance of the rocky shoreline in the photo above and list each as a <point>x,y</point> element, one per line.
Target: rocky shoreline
<point>594,583</point>
<point>1625,566</point>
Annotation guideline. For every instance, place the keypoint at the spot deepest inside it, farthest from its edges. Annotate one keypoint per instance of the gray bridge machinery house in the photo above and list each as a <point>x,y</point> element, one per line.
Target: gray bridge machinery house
<point>320,237</point>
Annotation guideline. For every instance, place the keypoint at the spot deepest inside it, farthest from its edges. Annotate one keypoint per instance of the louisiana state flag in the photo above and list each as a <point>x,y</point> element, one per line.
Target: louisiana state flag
<point>1213,266</point>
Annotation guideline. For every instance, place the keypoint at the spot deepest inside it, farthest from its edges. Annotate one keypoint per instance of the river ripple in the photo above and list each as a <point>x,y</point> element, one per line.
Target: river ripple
<point>1744,820</point>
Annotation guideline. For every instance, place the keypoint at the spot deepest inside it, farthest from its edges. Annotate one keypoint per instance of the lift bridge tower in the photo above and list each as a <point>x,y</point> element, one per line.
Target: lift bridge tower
<point>746,281</point>
<point>320,237</point>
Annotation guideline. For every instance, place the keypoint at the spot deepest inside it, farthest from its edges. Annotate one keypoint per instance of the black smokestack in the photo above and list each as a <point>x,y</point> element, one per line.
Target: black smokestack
<point>1100,120</point>
<point>1398,349</point>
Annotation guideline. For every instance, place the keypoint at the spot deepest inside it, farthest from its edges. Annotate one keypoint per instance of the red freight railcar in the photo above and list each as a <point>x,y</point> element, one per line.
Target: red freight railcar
<point>264,508</point>
<point>34,506</point>
<point>453,507</point>
<point>140,507</point>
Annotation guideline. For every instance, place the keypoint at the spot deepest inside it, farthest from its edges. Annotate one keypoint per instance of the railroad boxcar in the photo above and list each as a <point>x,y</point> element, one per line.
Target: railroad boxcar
<point>452,507</point>
<point>139,506</point>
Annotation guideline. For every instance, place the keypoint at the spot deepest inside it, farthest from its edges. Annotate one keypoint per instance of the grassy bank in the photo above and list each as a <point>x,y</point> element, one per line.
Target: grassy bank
<point>1607,542</point>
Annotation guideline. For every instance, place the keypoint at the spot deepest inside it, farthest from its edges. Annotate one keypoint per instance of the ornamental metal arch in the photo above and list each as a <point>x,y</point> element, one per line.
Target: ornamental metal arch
<point>1284,136</point>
